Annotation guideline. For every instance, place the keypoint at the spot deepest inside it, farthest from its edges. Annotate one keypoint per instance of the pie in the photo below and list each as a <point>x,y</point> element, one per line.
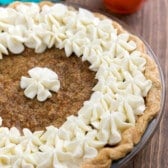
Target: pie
<point>77,90</point>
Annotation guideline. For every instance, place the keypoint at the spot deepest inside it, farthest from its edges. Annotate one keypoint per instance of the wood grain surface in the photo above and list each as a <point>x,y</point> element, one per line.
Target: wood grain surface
<point>151,22</point>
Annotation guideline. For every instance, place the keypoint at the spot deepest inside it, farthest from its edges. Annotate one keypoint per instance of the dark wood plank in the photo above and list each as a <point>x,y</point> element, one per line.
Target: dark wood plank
<point>151,22</point>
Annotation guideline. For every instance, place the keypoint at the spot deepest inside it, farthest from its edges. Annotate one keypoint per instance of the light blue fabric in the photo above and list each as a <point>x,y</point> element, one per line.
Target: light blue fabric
<point>6,2</point>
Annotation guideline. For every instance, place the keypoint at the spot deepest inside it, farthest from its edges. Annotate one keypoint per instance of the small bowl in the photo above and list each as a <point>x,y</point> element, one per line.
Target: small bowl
<point>123,7</point>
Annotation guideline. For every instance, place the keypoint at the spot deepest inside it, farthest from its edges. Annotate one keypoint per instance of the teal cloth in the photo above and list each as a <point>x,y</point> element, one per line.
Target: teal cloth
<point>6,2</point>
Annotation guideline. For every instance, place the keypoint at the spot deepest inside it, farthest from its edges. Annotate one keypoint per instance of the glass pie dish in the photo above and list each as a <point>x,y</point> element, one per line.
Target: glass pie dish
<point>109,116</point>
<point>154,123</point>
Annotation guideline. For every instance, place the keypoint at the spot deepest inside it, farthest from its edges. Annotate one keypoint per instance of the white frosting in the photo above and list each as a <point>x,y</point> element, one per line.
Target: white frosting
<point>42,81</point>
<point>3,50</point>
<point>117,99</point>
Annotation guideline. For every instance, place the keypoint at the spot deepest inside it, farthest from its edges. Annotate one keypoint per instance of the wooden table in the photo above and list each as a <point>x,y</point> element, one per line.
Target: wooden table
<point>151,22</point>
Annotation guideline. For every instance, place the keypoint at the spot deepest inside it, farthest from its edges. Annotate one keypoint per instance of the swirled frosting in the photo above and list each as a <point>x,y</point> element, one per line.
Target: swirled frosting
<point>117,99</point>
<point>42,81</point>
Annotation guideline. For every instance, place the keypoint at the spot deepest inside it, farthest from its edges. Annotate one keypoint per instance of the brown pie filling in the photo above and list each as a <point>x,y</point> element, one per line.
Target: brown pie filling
<point>16,110</point>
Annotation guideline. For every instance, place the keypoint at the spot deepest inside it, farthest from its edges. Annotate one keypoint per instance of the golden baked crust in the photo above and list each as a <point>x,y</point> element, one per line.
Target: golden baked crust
<point>131,136</point>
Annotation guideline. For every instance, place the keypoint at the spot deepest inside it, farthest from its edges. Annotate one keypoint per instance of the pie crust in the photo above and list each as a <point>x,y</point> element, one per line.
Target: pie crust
<point>132,135</point>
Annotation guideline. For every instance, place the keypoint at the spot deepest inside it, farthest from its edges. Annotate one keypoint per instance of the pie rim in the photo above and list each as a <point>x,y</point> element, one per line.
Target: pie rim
<point>133,135</point>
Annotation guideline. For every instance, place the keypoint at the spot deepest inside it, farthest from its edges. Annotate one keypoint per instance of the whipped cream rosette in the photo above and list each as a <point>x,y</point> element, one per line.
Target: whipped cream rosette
<point>42,81</point>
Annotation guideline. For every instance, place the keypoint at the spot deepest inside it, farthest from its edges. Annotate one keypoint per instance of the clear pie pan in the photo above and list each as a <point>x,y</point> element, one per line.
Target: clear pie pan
<point>154,123</point>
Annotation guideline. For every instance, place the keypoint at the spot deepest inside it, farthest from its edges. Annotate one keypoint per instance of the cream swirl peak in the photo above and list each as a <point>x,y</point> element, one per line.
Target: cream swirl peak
<point>117,99</point>
<point>42,81</point>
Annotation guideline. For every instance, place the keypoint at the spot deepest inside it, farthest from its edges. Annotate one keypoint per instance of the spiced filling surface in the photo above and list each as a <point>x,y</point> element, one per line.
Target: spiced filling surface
<point>76,81</point>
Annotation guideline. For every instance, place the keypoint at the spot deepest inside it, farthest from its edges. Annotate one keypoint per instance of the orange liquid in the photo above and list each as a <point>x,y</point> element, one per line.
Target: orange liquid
<point>123,6</point>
